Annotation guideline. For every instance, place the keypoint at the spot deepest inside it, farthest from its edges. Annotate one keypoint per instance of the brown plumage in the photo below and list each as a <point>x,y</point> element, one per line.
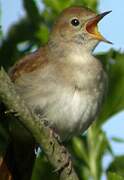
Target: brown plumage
<point>29,63</point>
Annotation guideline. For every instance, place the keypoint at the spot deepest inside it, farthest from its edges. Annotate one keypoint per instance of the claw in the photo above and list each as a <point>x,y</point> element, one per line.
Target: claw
<point>67,163</point>
<point>67,160</point>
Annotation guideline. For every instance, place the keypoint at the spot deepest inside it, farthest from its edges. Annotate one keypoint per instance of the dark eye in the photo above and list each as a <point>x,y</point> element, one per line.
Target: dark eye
<point>75,22</point>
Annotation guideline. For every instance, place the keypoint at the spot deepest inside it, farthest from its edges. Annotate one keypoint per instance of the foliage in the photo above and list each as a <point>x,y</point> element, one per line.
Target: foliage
<point>114,176</point>
<point>117,166</point>
<point>114,63</point>
<point>88,150</point>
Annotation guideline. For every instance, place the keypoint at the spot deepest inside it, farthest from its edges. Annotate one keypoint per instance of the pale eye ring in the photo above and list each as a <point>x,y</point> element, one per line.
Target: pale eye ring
<point>75,22</point>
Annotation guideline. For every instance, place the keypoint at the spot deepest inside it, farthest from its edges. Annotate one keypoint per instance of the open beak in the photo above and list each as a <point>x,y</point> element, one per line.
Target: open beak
<point>92,28</point>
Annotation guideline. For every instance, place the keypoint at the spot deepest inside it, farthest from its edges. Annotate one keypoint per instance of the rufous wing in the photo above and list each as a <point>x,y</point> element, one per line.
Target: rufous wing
<point>29,63</point>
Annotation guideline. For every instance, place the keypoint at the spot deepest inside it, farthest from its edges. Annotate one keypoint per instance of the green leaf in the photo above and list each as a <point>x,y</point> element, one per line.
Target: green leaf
<point>42,33</point>
<point>117,166</point>
<point>117,139</point>
<point>79,148</point>
<point>59,5</point>
<point>4,140</point>
<point>43,170</point>
<point>91,4</point>
<point>114,176</point>
<point>97,146</point>
<point>114,64</point>
<point>32,11</point>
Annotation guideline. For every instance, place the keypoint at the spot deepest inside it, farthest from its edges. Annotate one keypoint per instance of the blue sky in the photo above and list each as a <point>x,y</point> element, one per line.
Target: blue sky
<point>112,27</point>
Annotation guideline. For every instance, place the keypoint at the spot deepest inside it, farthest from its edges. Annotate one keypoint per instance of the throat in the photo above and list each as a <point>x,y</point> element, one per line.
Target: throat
<point>73,52</point>
<point>80,56</point>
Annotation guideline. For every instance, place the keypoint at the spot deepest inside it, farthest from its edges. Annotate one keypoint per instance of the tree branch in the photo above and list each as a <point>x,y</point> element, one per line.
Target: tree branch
<point>42,134</point>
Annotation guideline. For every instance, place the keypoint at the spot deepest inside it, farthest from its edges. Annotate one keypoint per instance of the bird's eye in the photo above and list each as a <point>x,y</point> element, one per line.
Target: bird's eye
<point>75,22</point>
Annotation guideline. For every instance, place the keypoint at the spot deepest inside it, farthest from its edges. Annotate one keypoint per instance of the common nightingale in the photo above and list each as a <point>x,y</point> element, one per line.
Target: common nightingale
<point>63,82</point>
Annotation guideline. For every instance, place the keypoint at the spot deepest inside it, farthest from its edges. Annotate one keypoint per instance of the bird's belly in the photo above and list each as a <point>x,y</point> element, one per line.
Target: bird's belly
<point>72,114</point>
<point>69,112</point>
<point>68,108</point>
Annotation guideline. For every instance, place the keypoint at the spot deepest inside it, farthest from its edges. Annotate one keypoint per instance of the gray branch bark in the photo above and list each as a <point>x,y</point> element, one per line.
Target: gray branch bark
<point>43,136</point>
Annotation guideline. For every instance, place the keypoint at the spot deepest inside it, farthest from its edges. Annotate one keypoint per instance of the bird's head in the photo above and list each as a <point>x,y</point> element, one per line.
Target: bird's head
<point>78,25</point>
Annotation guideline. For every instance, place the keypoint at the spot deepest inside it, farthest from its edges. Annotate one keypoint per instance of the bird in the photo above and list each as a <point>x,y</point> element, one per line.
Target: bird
<point>62,82</point>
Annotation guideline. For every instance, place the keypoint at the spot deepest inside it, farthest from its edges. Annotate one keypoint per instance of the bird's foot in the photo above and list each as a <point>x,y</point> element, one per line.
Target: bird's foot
<point>57,137</point>
<point>54,134</point>
<point>67,161</point>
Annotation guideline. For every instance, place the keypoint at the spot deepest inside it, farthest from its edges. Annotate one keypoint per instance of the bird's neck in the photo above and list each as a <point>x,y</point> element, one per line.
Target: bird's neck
<point>65,51</point>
